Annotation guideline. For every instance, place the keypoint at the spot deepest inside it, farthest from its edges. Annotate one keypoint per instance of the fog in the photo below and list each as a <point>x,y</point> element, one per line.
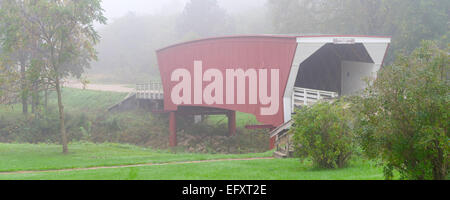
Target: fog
<point>118,8</point>
<point>136,28</point>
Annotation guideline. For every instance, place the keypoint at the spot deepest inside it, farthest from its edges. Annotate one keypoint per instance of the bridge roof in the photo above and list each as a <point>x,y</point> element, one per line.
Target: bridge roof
<point>289,37</point>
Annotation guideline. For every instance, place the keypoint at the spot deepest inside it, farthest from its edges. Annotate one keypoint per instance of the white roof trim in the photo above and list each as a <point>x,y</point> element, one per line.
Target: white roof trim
<point>353,39</point>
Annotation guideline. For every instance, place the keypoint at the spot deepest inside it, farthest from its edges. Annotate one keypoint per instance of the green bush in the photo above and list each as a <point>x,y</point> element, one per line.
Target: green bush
<point>403,115</point>
<point>323,133</point>
<point>38,128</point>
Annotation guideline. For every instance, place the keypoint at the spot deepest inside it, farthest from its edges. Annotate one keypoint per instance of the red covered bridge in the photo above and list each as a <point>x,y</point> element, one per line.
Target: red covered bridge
<point>263,75</point>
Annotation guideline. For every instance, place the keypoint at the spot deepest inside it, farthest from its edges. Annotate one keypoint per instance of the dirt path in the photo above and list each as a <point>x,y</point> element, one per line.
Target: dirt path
<point>99,87</point>
<point>133,165</point>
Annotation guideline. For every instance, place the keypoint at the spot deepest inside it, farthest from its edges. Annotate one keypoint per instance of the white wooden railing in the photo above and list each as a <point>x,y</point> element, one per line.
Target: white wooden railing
<point>152,90</point>
<point>304,96</point>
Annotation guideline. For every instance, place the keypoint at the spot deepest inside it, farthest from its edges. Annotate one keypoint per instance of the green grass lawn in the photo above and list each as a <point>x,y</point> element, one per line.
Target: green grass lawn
<point>20,157</point>
<point>242,119</point>
<point>17,157</point>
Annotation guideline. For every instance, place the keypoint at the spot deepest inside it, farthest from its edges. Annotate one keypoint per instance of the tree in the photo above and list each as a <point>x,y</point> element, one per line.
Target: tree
<point>67,30</point>
<point>297,16</point>
<point>403,115</point>
<point>203,17</point>
<point>407,21</point>
<point>16,45</point>
<point>8,81</point>
<point>63,37</point>
<point>254,21</point>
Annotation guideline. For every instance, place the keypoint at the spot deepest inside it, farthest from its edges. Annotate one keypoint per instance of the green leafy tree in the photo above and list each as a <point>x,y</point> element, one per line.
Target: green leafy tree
<point>403,115</point>
<point>323,133</point>
<point>66,26</point>
<point>63,36</point>
<point>16,45</point>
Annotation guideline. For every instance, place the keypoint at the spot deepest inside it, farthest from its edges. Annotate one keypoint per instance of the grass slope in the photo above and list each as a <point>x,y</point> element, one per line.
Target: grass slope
<point>74,100</point>
<point>86,100</point>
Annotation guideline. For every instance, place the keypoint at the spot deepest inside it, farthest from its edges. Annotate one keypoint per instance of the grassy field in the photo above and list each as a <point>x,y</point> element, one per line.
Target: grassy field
<point>20,157</point>
<point>17,157</point>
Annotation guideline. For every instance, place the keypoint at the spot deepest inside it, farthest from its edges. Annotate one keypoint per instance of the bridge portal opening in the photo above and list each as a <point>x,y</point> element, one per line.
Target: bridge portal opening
<point>339,68</point>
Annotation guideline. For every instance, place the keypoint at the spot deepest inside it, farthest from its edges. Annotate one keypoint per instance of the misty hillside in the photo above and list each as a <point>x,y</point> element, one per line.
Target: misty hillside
<point>127,47</point>
<point>128,44</point>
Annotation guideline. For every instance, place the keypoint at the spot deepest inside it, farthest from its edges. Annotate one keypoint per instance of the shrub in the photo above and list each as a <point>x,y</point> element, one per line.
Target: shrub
<point>323,133</point>
<point>403,116</point>
<point>32,129</point>
<point>43,127</point>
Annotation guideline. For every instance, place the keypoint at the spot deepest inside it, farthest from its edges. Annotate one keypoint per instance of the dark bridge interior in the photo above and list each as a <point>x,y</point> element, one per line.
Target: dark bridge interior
<point>322,70</point>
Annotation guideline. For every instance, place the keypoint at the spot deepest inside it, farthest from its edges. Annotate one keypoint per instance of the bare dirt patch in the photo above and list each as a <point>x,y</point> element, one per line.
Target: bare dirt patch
<point>99,87</point>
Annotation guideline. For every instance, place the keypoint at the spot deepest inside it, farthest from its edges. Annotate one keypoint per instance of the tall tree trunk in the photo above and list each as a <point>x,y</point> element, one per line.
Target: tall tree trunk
<point>34,98</point>
<point>35,101</point>
<point>23,87</point>
<point>61,117</point>
<point>440,166</point>
<point>46,97</point>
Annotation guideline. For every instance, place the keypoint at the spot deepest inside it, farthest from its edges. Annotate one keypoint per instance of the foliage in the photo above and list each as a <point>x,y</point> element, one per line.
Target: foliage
<point>33,129</point>
<point>208,137</point>
<point>323,133</point>
<point>403,116</point>
<point>8,80</point>
<point>407,21</point>
<point>205,18</point>
<point>87,120</point>
<point>55,39</point>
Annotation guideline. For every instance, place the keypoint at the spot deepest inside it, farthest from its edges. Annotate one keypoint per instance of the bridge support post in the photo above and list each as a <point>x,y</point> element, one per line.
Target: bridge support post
<point>232,123</point>
<point>172,130</point>
<point>272,142</point>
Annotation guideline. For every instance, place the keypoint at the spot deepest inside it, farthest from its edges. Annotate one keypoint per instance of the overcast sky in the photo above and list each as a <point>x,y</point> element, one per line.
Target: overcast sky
<point>118,8</point>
